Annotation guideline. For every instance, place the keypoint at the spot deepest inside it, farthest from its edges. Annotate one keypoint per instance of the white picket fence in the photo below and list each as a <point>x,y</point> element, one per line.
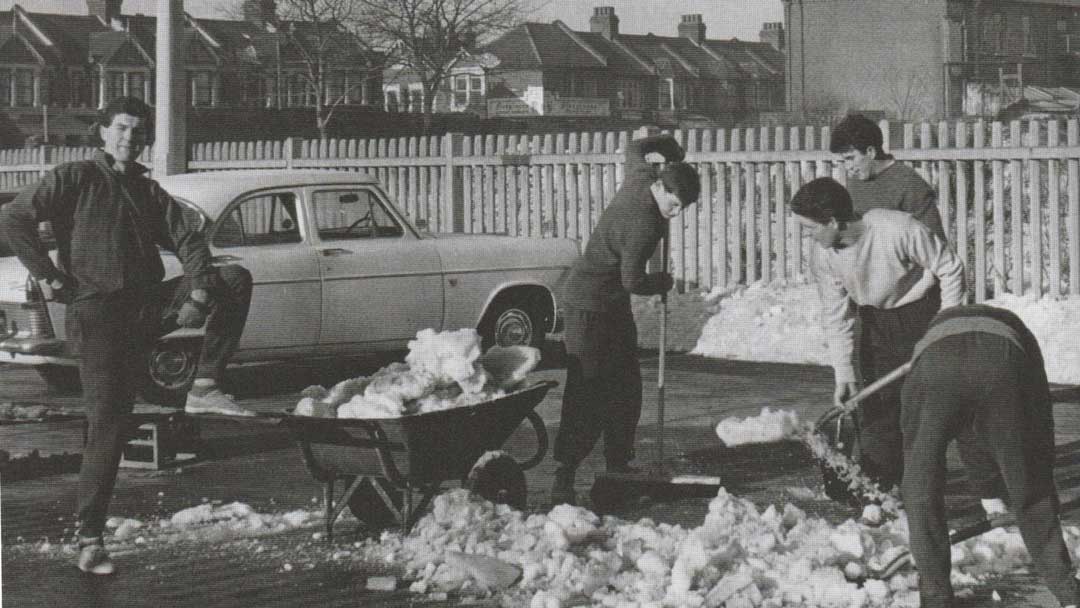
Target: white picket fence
<point>1009,194</point>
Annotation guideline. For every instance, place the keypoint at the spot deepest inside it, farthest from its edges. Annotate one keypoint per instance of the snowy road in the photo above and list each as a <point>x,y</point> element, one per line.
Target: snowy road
<point>257,465</point>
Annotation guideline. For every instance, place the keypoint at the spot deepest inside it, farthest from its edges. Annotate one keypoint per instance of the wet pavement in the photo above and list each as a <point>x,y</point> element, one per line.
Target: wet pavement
<point>256,463</point>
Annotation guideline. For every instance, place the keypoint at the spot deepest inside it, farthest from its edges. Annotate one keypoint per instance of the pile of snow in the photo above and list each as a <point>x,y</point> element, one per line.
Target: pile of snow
<point>778,321</point>
<point>781,322</point>
<point>767,427</point>
<point>738,556</point>
<point>442,370</point>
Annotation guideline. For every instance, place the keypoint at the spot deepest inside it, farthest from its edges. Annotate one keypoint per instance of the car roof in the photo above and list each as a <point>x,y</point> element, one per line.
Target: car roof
<point>212,190</point>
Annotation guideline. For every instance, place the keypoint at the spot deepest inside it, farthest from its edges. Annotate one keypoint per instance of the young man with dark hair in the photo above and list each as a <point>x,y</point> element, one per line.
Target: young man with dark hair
<point>884,268</point>
<point>603,380</point>
<point>109,219</point>
<point>978,377</point>
<point>877,180</point>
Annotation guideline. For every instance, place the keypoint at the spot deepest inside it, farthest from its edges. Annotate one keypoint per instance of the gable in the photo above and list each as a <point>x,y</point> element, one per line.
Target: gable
<point>16,50</point>
<point>198,54</point>
<point>127,55</point>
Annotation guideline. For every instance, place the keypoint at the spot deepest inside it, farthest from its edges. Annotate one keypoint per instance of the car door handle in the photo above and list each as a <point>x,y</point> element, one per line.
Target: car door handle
<point>335,251</point>
<point>225,259</point>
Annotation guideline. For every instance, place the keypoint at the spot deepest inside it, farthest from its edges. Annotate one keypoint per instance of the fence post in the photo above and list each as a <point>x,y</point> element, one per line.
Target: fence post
<point>46,154</point>
<point>291,151</point>
<point>453,200</point>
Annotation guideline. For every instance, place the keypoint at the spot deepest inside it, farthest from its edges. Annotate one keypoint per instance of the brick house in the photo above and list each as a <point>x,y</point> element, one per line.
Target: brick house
<point>549,70</point>
<point>73,64</point>
<point>922,59</point>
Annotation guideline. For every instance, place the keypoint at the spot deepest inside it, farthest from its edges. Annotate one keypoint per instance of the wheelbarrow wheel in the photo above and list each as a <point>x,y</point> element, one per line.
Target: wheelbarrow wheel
<point>497,477</point>
<point>368,506</point>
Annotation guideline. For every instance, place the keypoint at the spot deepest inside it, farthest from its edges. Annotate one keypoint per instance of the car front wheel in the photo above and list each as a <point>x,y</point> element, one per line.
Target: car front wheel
<point>514,323</point>
<point>169,372</point>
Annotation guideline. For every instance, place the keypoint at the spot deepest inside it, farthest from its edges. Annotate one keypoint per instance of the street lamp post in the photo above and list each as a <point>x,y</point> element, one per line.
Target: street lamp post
<point>170,116</point>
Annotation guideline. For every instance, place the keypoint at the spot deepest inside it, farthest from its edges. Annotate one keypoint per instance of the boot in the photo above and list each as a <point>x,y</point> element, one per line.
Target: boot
<point>562,491</point>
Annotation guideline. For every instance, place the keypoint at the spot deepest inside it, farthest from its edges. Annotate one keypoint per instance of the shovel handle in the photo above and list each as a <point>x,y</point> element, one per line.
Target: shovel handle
<point>662,348</point>
<point>876,386</point>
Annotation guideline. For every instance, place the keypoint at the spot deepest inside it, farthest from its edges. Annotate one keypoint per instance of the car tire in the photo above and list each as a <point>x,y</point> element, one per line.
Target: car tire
<point>169,372</point>
<point>61,379</point>
<point>513,322</point>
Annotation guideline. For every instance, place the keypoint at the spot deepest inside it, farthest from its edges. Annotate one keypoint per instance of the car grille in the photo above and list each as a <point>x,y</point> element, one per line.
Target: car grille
<point>18,319</point>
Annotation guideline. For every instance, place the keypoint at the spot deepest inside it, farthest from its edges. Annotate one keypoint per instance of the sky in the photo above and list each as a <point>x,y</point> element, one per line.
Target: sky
<point>723,18</point>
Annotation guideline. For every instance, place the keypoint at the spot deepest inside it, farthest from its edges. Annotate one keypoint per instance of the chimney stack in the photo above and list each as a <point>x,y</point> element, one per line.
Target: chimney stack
<point>107,11</point>
<point>604,22</point>
<point>773,33</point>
<point>260,12</point>
<point>692,27</point>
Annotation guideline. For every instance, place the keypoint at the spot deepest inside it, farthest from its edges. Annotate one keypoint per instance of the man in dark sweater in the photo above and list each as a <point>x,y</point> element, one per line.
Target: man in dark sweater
<point>603,381</point>
<point>876,179</point>
<point>109,219</point>
<point>978,377</point>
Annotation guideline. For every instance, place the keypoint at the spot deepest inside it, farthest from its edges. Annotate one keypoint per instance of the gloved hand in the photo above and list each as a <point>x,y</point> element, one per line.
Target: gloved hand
<point>663,281</point>
<point>192,314</point>
<point>59,289</point>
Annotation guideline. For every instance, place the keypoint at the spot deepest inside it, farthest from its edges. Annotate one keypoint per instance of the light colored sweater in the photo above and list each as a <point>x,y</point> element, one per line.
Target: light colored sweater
<point>895,262</point>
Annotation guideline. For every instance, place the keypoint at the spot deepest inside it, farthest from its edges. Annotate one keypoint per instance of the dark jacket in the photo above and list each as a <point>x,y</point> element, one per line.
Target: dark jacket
<point>108,227</point>
<point>613,265</point>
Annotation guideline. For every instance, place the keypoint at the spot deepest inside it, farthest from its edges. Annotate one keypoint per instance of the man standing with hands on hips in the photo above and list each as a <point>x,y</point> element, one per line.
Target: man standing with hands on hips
<point>109,220</point>
<point>603,379</point>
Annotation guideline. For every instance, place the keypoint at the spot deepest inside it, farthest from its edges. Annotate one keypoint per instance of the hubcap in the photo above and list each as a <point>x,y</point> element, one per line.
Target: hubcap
<point>171,368</point>
<point>513,328</point>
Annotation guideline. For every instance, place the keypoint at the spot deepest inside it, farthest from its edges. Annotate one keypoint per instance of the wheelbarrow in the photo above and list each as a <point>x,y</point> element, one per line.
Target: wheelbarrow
<point>393,467</point>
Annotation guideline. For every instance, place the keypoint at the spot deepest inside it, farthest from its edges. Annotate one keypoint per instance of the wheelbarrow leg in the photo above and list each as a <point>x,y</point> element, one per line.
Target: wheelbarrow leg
<point>328,503</point>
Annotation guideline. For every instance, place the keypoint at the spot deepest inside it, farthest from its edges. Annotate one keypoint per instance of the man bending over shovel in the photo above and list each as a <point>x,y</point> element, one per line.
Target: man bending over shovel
<point>885,267</point>
<point>978,377</point>
<point>603,381</point>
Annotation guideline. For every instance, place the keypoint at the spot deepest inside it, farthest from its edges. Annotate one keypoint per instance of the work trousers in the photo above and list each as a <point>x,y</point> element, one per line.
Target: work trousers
<point>113,334</point>
<point>985,392</point>
<point>602,396</point>
<point>886,342</point>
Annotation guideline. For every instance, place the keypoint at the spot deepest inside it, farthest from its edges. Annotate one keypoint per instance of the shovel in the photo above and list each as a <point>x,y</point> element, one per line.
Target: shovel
<point>610,489</point>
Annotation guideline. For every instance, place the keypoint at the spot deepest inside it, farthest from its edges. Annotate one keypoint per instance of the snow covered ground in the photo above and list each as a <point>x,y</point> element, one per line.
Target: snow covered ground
<point>780,322</point>
<point>741,555</point>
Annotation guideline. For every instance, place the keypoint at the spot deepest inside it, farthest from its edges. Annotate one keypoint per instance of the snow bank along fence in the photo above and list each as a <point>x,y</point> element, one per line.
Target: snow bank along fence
<point>1009,194</point>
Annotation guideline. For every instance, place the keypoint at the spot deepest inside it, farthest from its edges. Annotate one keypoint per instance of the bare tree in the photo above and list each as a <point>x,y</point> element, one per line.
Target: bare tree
<point>908,94</point>
<point>313,40</point>
<point>426,36</point>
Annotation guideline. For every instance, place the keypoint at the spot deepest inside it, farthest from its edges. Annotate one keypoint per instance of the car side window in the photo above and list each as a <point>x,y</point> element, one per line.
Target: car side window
<point>264,219</point>
<point>352,214</point>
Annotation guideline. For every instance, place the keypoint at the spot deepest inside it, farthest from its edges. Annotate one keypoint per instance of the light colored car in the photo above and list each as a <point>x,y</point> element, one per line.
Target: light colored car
<point>337,269</point>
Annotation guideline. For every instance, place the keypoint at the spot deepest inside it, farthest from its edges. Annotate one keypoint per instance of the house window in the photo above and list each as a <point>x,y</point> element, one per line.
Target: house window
<point>114,83</point>
<point>5,87</point>
<point>628,94</point>
<point>200,88</point>
<point>666,94</point>
<point>476,89</point>
<point>24,87</point>
<point>80,89</point>
<point>137,85</point>
<point>391,100</point>
<point>416,98</point>
<point>335,87</point>
<point>1028,35</point>
<point>461,91</point>
<point>994,34</point>
<point>298,91</point>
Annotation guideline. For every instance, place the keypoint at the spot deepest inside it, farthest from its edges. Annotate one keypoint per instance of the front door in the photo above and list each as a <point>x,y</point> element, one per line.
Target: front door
<point>381,283</point>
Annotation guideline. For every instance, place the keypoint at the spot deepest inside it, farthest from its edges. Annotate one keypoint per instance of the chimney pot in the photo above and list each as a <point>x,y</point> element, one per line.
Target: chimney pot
<point>692,27</point>
<point>604,22</point>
